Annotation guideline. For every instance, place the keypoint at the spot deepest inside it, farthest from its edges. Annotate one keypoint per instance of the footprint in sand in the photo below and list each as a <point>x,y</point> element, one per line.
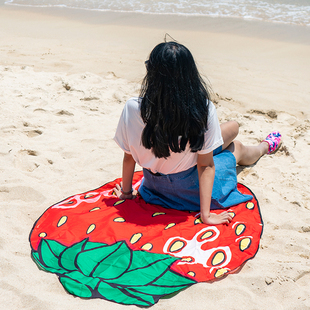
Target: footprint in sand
<point>8,129</point>
<point>29,152</point>
<point>39,110</point>
<point>34,133</point>
<point>89,98</point>
<point>270,113</point>
<point>303,279</point>
<point>24,160</point>
<point>64,112</point>
<point>23,193</point>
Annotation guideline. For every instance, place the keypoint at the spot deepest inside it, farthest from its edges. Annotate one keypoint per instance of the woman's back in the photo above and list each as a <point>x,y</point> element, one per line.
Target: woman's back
<point>128,137</point>
<point>174,106</point>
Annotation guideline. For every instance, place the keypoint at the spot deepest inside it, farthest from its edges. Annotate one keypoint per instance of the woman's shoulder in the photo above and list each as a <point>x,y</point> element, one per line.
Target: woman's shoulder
<point>133,103</point>
<point>211,107</point>
<point>132,107</point>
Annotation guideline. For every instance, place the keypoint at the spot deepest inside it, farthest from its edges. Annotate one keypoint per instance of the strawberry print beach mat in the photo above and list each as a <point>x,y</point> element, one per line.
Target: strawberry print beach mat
<point>134,253</point>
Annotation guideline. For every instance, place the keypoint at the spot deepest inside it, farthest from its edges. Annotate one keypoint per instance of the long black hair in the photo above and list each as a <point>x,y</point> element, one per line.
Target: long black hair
<point>174,104</point>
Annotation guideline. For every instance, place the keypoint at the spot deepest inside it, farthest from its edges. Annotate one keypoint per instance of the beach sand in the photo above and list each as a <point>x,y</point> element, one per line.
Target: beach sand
<point>65,76</point>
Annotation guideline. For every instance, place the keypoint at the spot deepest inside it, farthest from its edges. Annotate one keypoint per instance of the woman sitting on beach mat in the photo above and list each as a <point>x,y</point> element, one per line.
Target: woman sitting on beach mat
<point>172,131</point>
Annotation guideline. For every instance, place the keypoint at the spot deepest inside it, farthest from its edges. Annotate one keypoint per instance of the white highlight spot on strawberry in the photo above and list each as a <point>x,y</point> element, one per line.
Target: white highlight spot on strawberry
<point>193,247</point>
<point>75,201</point>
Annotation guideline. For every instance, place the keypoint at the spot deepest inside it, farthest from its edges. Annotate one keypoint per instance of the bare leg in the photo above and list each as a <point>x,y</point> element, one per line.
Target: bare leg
<point>229,132</point>
<point>247,155</point>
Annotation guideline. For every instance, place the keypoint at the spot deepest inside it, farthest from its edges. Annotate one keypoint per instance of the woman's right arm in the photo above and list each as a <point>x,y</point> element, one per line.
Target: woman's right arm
<point>128,170</point>
<point>124,190</point>
<point>206,171</point>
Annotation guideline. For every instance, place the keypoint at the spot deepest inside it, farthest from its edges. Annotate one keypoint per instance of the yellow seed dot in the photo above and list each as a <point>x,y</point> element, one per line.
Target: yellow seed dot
<point>135,238</point>
<point>118,202</point>
<point>42,235</point>
<point>158,213</point>
<point>147,246</point>
<point>119,219</point>
<point>232,214</point>
<point>170,225</point>
<point>62,221</point>
<point>207,235</point>
<point>220,272</point>
<point>250,205</point>
<point>218,258</point>
<point>95,209</point>
<point>88,196</point>
<point>240,229</point>
<point>71,202</point>
<point>186,259</point>
<point>176,246</point>
<point>90,228</point>
<point>245,244</point>
<point>191,273</point>
<point>198,221</point>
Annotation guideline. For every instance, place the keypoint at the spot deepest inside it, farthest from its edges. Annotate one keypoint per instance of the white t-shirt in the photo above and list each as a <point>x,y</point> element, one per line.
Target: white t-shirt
<point>128,137</point>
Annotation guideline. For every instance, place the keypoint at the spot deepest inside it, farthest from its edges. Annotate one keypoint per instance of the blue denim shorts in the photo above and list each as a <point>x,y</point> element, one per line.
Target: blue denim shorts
<point>181,190</point>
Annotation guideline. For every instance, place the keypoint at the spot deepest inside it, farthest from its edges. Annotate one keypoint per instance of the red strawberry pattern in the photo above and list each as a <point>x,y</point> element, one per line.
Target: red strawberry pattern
<point>203,252</point>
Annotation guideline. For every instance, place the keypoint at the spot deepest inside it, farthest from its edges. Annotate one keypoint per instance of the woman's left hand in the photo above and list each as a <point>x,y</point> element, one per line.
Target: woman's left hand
<point>216,219</point>
<point>118,191</point>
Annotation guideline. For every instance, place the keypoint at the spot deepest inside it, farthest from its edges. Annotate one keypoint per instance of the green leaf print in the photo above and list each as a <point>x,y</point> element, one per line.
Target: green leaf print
<point>145,274</point>
<point>89,259</point>
<point>93,245</point>
<point>67,257</point>
<point>115,264</point>
<point>56,247</point>
<point>112,272</point>
<point>76,288</point>
<point>122,296</point>
<point>47,257</point>
<point>79,277</point>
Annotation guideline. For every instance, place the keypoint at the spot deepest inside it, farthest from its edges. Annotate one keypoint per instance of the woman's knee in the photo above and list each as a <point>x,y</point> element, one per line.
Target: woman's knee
<point>234,126</point>
<point>230,131</point>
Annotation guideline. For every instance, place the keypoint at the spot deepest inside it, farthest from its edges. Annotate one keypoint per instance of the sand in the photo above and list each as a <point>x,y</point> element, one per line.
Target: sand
<point>65,77</point>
